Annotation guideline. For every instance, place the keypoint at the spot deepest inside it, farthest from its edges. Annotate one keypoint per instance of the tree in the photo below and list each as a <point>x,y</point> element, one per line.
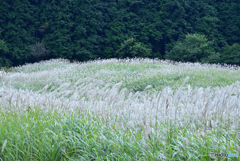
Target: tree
<point>229,15</point>
<point>18,21</point>
<point>194,48</point>
<point>3,47</point>
<point>231,54</point>
<point>4,61</point>
<point>85,30</point>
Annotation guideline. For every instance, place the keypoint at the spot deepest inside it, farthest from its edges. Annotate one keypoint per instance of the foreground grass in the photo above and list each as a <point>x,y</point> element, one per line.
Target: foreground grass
<point>37,135</point>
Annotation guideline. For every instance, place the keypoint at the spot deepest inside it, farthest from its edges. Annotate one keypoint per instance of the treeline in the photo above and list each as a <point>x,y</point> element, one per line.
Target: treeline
<point>181,30</point>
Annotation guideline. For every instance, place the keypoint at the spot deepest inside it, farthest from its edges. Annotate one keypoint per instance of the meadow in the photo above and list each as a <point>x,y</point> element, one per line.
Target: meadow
<point>119,109</point>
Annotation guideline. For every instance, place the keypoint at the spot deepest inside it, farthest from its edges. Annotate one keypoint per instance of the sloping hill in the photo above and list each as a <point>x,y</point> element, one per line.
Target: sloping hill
<point>139,99</point>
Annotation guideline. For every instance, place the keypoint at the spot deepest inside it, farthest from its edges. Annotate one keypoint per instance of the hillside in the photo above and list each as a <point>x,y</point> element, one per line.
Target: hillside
<point>134,108</point>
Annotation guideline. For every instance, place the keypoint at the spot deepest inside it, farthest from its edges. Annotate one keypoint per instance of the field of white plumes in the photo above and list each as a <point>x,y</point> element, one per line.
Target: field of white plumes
<point>164,110</point>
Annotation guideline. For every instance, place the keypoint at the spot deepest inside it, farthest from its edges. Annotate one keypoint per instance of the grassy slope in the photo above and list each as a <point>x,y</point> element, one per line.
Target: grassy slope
<point>135,76</point>
<point>33,134</point>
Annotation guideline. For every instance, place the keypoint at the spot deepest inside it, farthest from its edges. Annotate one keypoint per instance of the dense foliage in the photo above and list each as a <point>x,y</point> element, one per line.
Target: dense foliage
<point>194,48</point>
<point>231,54</point>
<point>130,48</point>
<point>83,30</point>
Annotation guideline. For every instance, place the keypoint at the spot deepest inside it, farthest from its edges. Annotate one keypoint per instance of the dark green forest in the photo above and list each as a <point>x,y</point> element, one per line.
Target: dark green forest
<point>206,31</point>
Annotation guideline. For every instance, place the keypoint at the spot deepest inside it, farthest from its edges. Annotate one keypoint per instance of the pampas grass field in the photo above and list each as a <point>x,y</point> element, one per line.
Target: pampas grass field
<point>128,109</point>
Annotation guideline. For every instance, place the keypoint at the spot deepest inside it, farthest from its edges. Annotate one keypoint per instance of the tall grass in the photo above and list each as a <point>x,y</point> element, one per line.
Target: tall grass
<point>52,136</point>
<point>119,110</point>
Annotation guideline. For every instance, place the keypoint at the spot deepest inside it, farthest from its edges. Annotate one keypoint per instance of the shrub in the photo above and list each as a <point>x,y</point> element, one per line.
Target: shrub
<point>231,54</point>
<point>39,50</point>
<point>194,48</point>
<point>130,48</point>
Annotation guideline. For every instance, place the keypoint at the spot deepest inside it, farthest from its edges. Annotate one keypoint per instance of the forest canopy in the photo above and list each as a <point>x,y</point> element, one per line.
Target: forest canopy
<point>182,30</point>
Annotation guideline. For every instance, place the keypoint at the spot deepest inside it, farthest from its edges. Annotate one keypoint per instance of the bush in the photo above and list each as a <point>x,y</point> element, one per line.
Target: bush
<point>39,50</point>
<point>130,48</point>
<point>231,54</point>
<point>194,48</point>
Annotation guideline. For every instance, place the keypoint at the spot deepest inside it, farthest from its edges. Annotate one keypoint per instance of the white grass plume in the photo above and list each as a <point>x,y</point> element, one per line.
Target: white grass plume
<point>66,87</point>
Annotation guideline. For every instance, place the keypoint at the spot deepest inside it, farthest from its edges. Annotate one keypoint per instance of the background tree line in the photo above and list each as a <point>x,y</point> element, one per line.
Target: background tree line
<point>181,30</point>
